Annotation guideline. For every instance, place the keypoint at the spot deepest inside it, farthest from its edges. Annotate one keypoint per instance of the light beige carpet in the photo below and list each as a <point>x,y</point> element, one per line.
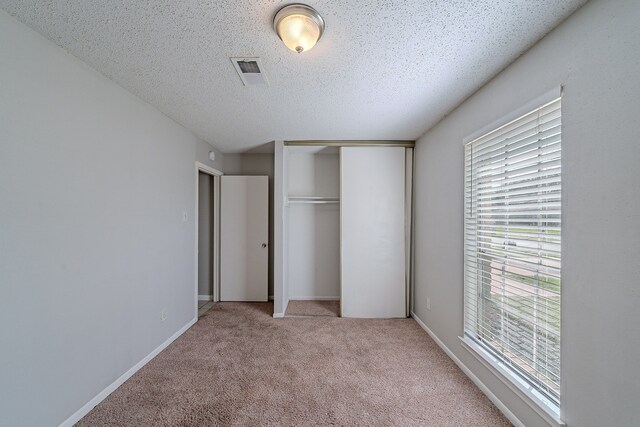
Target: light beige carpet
<point>240,367</point>
<point>313,308</point>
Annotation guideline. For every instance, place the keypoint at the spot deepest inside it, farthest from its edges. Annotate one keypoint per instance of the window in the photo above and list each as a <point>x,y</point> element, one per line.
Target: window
<point>512,250</point>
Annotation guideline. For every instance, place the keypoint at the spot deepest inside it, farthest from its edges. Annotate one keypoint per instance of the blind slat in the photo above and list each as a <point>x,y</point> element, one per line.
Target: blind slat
<point>548,141</point>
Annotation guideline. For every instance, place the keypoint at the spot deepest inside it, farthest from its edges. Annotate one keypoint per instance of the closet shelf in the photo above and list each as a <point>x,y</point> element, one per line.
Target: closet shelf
<point>312,200</point>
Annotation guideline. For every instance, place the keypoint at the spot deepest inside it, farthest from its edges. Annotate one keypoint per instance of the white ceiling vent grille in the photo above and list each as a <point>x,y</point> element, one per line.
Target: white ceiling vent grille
<point>250,71</point>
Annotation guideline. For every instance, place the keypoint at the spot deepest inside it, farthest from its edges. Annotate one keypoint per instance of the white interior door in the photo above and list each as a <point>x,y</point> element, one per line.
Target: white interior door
<point>244,231</point>
<point>373,232</point>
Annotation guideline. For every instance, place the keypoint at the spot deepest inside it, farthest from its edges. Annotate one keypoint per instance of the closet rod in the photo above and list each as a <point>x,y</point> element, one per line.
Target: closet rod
<point>353,143</point>
<point>312,199</point>
<point>316,202</point>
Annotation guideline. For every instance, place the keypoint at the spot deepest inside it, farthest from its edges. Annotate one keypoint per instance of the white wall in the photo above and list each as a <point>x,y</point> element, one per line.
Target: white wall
<point>314,251</point>
<point>255,164</point>
<point>93,183</point>
<point>205,236</point>
<point>314,174</point>
<point>595,56</point>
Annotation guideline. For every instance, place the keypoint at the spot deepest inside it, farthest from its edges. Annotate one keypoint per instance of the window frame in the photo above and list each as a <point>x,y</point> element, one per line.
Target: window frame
<point>528,392</point>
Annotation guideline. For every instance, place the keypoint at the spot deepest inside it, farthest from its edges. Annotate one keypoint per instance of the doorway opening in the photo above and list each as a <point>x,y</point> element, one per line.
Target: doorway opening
<point>207,221</point>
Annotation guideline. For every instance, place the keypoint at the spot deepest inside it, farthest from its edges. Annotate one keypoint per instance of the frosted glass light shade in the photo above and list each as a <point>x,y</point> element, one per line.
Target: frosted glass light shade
<point>299,27</point>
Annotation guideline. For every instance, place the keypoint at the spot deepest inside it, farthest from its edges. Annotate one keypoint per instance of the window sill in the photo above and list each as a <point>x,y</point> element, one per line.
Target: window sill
<point>547,410</point>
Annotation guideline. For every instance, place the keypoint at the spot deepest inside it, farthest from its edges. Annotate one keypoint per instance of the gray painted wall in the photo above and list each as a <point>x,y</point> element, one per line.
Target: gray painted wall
<point>595,56</point>
<point>93,183</point>
<point>205,236</point>
<point>255,164</point>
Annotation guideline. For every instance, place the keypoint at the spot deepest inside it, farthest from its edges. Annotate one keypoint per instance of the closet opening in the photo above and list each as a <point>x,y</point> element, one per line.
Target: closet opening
<point>344,247</point>
<point>313,204</point>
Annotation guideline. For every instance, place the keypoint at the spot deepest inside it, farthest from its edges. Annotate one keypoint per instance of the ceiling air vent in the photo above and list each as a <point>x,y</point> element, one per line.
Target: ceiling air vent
<point>250,71</point>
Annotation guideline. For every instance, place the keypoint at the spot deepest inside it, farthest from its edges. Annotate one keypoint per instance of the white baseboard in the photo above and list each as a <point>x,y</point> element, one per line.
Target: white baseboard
<point>278,315</point>
<point>205,297</point>
<point>492,397</point>
<point>77,416</point>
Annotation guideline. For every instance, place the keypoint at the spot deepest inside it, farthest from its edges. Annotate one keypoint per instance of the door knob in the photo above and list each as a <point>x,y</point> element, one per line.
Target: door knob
<point>264,245</point>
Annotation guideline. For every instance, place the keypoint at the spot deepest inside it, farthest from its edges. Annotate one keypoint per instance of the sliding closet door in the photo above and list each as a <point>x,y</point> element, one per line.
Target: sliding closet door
<point>373,231</point>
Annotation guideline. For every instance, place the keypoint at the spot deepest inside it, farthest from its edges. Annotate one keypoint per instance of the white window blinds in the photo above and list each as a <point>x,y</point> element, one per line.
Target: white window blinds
<point>512,246</point>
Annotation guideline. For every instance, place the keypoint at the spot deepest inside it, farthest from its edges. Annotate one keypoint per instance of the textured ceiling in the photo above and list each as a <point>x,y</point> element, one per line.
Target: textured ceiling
<point>384,69</point>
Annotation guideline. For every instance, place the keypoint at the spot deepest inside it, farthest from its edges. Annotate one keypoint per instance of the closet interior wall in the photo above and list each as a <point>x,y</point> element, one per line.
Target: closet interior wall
<point>312,201</point>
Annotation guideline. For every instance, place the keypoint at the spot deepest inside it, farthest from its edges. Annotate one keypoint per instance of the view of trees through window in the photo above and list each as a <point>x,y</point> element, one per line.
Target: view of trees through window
<point>522,309</point>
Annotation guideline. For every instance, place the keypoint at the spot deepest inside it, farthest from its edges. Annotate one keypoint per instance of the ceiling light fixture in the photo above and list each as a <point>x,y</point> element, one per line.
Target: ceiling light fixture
<point>299,26</point>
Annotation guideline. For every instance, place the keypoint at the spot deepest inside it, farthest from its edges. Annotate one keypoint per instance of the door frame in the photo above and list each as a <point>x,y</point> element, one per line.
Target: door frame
<point>216,174</point>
